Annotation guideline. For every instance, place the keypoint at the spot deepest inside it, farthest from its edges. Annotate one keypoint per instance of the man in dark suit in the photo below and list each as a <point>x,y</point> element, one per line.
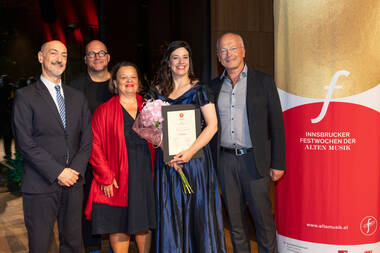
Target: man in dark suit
<point>94,85</point>
<point>52,128</point>
<point>249,149</point>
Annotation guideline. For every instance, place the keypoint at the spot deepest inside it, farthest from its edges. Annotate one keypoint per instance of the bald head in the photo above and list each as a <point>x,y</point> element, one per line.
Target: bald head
<point>229,36</point>
<point>52,43</point>
<point>231,53</point>
<point>95,44</point>
<point>97,58</point>
<point>53,59</point>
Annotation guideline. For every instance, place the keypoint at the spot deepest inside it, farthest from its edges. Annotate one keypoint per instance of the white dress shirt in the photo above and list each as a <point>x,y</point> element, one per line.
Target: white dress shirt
<point>50,86</point>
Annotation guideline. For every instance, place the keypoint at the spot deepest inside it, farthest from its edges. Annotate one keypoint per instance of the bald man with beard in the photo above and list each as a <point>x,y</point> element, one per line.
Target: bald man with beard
<point>94,82</point>
<point>94,85</point>
<point>52,128</point>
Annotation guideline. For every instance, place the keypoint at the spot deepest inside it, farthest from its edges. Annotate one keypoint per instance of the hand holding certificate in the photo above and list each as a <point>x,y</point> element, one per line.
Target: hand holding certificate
<point>153,120</point>
<point>181,127</point>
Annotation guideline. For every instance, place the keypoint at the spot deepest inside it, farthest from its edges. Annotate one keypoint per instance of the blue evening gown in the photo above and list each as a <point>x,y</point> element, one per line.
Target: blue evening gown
<point>188,223</point>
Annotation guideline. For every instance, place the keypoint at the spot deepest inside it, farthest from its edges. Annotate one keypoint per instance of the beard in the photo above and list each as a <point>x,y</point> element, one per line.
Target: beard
<point>56,68</point>
<point>97,70</point>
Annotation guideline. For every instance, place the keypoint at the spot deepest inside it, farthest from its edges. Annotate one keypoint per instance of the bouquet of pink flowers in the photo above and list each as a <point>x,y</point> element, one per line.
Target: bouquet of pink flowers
<point>148,126</point>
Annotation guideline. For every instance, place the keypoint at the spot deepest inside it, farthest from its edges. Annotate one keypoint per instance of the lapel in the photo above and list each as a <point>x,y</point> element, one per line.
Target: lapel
<point>250,91</point>
<point>217,91</point>
<point>45,94</point>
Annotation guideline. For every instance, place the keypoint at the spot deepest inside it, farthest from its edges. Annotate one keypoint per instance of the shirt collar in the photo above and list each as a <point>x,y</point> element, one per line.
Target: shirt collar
<point>242,74</point>
<point>49,84</point>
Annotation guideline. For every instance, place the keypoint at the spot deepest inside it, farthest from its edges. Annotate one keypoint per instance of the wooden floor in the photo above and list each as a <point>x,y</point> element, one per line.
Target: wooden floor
<point>13,235</point>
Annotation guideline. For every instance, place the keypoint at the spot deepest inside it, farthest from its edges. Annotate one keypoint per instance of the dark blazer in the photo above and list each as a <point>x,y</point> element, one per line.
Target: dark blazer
<point>264,119</point>
<point>42,140</point>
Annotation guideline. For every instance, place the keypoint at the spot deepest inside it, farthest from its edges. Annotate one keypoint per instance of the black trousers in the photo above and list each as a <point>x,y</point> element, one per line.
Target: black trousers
<point>241,183</point>
<point>42,210</point>
<point>91,242</point>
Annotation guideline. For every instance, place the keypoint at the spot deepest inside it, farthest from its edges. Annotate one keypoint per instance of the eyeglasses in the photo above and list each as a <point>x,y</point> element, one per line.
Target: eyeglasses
<point>232,50</point>
<point>93,54</point>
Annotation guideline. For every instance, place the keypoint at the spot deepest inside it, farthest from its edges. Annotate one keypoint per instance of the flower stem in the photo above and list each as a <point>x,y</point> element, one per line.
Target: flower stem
<point>185,183</point>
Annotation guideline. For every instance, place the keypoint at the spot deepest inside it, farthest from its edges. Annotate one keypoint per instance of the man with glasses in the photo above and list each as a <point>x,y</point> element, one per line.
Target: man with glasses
<point>94,83</point>
<point>249,149</point>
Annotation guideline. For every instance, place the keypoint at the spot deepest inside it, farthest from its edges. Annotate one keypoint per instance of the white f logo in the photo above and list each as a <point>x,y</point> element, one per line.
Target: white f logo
<point>369,224</point>
<point>330,91</point>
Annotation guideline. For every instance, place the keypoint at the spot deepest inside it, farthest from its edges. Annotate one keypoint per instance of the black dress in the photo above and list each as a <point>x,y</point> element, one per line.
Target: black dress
<point>140,214</point>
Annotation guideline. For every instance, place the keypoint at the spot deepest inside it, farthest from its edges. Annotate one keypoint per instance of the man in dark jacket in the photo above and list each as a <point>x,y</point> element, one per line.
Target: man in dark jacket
<point>52,129</point>
<point>249,149</point>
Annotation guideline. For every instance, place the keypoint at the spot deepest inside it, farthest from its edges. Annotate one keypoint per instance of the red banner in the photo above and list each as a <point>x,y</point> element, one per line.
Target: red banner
<point>329,198</point>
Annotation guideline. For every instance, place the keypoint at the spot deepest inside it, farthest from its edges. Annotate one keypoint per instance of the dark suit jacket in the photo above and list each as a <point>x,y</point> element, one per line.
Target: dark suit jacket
<point>264,119</point>
<point>42,140</point>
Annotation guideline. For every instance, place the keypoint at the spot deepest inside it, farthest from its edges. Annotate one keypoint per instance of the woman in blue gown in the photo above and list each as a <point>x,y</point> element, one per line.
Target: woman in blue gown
<point>187,223</point>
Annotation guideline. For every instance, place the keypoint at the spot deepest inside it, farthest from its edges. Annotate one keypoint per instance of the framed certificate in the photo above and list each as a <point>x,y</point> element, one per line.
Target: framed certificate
<point>181,127</point>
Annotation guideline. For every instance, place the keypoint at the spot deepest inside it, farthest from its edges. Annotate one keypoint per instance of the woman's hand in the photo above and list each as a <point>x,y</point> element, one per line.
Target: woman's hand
<point>175,165</point>
<point>108,189</point>
<point>183,156</point>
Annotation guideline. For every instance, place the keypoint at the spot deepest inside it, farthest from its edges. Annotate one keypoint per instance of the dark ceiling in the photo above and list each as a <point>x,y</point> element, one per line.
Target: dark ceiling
<point>133,30</point>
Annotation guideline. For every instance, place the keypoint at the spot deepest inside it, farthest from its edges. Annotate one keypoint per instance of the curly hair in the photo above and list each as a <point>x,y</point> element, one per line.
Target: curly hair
<point>163,78</point>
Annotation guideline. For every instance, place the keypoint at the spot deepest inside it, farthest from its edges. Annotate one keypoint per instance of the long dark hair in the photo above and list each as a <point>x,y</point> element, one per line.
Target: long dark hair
<point>163,78</point>
<point>111,86</point>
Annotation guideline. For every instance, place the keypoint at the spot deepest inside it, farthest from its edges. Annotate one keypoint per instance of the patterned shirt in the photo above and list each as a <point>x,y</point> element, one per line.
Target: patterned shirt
<point>233,112</point>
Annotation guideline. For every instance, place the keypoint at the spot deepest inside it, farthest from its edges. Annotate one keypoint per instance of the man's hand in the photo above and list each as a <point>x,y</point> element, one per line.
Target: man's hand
<point>68,177</point>
<point>276,174</point>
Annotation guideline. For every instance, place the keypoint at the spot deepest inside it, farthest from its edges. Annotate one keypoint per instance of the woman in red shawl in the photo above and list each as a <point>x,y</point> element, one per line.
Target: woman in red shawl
<point>121,200</point>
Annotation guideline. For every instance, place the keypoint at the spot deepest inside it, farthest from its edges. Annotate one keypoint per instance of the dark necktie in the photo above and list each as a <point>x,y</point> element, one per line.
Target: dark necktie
<point>61,105</point>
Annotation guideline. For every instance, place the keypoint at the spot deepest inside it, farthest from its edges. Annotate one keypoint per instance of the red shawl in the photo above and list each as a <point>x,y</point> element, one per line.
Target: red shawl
<point>109,154</point>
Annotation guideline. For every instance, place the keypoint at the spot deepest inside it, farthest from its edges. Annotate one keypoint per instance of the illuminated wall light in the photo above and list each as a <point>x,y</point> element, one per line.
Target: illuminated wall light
<point>70,14</point>
<point>47,31</point>
<point>59,31</point>
<point>90,12</point>
<point>78,36</point>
